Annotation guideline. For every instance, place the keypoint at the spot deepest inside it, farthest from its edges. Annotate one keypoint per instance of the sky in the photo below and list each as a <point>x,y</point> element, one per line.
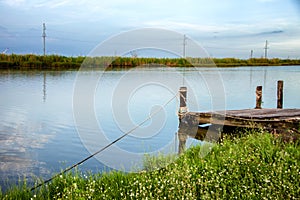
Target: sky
<point>224,28</point>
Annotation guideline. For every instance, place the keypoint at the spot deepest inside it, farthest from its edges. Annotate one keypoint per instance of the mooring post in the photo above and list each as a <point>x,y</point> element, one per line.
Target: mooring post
<point>182,97</point>
<point>182,142</point>
<point>280,94</point>
<point>258,97</point>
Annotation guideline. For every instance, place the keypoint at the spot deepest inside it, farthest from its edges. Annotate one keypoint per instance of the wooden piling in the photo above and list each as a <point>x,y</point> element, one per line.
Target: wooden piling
<point>258,97</point>
<point>280,94</point>
<point>182,142</point>
<point>182,97</point>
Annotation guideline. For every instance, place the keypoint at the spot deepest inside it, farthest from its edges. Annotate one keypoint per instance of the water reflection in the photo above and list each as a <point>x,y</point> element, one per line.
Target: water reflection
<point>44,87</point>
<point>207,133</point>
<point>265,78</point>
<point>18,145</point>
<point>26,122</point>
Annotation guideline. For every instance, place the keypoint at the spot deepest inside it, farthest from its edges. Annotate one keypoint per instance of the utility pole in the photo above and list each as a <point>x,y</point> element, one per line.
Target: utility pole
<point>44,38</point>
<point>184,44</point>
<point>266,49</point>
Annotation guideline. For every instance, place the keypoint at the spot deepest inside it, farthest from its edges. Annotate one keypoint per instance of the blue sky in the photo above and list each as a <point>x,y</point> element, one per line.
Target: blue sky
<point>225,28</point>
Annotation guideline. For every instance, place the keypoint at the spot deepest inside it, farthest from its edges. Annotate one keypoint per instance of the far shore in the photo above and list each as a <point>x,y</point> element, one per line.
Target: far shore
<point>58,62</point>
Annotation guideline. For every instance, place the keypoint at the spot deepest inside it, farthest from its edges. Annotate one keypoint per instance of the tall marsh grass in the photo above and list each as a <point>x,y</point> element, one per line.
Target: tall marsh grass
<point>253,166</point>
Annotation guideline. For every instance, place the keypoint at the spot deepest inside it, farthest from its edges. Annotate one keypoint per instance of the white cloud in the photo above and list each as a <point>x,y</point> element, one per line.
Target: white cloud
<point>184,25</point>
<point>293,43</point>
<point>13,2</point>
<point>266,1</point>
<point>51,4</point>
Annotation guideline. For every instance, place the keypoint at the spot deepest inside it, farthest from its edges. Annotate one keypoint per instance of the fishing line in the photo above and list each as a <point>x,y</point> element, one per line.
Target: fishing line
<point>107,146</point>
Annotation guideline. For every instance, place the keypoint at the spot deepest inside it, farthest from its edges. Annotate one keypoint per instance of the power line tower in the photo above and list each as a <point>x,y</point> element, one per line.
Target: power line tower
<point>251,54</point>
<point>266,49</point>
<point>44,38</point>
<point>184,44</point>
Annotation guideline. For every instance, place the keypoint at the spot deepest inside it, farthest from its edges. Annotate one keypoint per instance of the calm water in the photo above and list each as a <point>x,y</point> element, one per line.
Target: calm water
<point>40,134</point>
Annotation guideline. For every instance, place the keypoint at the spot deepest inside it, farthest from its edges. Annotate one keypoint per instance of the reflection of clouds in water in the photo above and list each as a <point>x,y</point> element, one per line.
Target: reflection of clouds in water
<point>17,144</point>
<point>10,166</point>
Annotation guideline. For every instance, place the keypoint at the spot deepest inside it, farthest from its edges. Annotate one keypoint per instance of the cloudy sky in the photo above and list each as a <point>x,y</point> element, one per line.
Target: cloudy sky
<point>225,28</point>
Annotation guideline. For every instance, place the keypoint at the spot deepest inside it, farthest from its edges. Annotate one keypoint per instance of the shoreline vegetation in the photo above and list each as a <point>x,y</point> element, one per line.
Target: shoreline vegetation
<point>57,62</point>
<point>253,165</point>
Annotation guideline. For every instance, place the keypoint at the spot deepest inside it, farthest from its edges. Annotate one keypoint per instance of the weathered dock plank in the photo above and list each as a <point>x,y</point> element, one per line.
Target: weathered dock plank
<point>273,118</point>
<point>266,113</point>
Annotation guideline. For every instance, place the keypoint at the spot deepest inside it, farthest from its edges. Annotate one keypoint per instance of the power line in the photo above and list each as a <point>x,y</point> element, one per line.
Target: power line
<point>69,39</point>
<point>230,48</point>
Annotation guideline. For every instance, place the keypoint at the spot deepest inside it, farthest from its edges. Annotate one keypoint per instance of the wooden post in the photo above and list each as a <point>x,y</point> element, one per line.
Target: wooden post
<point>182,97</point>
<point>280,94</point>
<point>182,142</point>
<point>258,97</point>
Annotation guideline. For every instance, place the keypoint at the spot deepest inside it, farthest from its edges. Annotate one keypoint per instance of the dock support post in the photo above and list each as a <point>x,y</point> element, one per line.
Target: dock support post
<point>182,142</point>
<point>280,94</point>
<point>182,97</point>
<point>258,97</point>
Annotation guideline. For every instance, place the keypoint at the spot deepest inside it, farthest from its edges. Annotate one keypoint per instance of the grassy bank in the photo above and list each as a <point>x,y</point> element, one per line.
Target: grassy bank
<point>56,62</point>
<point>254,166</point>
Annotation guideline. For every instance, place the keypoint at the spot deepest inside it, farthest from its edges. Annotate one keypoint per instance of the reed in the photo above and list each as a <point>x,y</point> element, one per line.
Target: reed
<point>57,62</point>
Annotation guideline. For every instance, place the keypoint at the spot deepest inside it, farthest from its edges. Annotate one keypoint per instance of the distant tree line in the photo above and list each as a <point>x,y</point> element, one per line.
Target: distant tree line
<point>37,62</point>
<point>232,62</point>
<point>57,62</point>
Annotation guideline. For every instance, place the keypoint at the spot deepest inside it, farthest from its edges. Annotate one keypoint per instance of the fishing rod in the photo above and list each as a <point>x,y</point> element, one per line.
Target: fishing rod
<point>102,149</point>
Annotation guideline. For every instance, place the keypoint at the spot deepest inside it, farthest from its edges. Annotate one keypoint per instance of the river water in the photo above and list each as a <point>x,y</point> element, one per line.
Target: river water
<point>49,120</point>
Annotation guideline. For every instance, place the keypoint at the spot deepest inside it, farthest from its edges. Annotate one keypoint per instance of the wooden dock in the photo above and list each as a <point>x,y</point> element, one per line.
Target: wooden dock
<point>267,117</point>
<point>200,125</point>
<point>207,125</point>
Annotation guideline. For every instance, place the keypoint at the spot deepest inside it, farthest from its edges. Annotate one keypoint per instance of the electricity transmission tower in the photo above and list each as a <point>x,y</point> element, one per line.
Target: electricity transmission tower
<point>184,44</point>
<point>44,38</point>
<point>266,49</point>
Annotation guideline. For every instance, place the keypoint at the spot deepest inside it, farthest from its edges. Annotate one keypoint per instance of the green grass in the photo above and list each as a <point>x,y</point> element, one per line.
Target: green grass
<point>253,166</point>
